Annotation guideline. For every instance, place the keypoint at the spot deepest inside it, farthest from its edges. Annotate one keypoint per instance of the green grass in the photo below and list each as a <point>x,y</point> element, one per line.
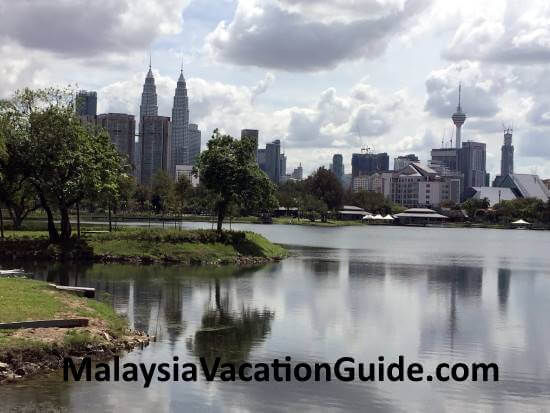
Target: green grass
<point>22,300</point>
<point>172,245</point>
<point>26,300</point>
<point>169,247</point>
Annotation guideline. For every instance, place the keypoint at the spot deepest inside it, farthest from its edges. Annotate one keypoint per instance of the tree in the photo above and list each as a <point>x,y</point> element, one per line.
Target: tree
<point>63,160</point>
<point>182,190</point>
<point>324,185</point>
<point>472,206</point>
<point>142,196</point>
<point>373,202</point>
<point>162,192</point>
<point>313,207</point>
<point>228,170</point>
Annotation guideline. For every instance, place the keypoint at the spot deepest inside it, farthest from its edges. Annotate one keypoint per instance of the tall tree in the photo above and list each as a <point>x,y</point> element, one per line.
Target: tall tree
<point>63,160</point>
<point>182,191</point>
<point>228,169</point>
<point>325,185</point>
<point>162,192</point>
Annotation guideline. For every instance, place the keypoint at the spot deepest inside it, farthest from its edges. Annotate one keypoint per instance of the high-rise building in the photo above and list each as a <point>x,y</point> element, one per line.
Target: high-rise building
<point>261,158</point>
<point>447,157</point>
<point>337,166</point>
<point>272,160</point>
<point>253,135</point>
<point>473,164</point>
<point>148,107</point>
<point>122,130</point>
<point>194,144</point>
<point>86,103</point>
<point>459,118</point>
<point>154,146</point>
<point>298,173</point>
<point>403,161</point>
<point>180,124</point>
<point>282,165</point>
<point>507,159</point>
<point>368,163</point>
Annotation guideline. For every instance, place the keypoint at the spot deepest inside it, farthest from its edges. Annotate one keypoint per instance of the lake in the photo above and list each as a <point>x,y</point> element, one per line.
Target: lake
<point>430,294</point>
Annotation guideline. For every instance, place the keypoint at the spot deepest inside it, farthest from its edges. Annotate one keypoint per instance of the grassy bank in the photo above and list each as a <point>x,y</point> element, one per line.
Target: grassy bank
<point>146,246</point>
<point>24,352</point>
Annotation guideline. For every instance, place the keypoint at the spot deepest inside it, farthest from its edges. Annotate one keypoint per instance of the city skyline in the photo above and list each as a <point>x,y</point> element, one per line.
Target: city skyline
<point>394,91</point>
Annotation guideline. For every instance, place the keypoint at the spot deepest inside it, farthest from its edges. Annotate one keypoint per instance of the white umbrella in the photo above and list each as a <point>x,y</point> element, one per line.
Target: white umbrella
<point>388,217</point>
<point>521,222</point>
<point>368,216</point>
<point>378,216</point>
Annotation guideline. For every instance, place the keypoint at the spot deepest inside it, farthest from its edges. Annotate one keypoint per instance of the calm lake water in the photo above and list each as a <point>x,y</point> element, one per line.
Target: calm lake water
<point>431,294</point>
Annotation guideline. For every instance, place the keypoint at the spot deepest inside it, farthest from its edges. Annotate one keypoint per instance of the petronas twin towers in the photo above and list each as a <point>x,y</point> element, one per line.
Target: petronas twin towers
<point>166,144</point>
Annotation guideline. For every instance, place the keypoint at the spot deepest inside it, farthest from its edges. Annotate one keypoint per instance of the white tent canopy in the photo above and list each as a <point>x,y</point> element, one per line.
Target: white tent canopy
<point>521,222</point>
<point>388,217</point>
<point>378,216</point>
<point>368,216</point>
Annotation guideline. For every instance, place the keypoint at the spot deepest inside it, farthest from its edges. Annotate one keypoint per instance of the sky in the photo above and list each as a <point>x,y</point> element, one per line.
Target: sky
<point>323,76</point>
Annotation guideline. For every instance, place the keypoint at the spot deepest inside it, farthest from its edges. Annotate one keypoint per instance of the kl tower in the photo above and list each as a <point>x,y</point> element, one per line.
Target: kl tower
<point>459,118</point>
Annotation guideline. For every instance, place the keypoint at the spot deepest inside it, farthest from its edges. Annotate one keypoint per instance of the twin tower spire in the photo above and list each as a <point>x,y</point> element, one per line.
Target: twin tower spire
<point>179,135</point>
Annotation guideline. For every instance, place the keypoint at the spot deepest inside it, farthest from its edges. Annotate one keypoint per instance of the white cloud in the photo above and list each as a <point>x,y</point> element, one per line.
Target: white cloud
<point>299,35</point>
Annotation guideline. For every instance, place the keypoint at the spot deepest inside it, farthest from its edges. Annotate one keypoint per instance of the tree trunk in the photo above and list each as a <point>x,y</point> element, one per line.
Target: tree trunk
<point>1,224</point>
<point>221,215</point>
<point>66,229</point>
<point>52,230</point>
<point>78,219</point>
<point>110,218</point>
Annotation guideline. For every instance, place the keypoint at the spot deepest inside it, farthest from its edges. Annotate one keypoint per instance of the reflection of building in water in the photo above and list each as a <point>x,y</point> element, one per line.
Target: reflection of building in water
<point>322,267</point>
<point>375,271</point>
<point>504,275</point>
<point>451,284</point>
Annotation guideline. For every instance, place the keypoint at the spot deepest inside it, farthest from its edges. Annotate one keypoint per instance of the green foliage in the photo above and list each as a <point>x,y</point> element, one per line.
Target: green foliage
<point>532,209</point>
<point>162,192</point>
<point>474,206</point>
<point>63,160</point>
<point>228,170</point>
<point>324,185</point>
<point>373,202</point>
<point>182,191</point>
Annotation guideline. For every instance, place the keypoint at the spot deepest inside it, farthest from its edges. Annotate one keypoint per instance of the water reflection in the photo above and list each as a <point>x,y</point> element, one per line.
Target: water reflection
<point>322,304</point>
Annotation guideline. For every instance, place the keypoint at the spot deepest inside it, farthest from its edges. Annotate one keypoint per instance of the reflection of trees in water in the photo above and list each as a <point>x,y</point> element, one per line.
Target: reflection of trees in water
<point>230,335</point>
<point>504,275</point>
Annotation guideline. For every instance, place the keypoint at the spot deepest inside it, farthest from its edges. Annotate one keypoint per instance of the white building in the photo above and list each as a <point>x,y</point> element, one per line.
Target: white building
<point>187,171</point>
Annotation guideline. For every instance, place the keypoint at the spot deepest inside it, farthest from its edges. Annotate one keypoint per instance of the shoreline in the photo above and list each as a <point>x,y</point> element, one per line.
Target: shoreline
<point>145,246</point>
<point>28,352</point>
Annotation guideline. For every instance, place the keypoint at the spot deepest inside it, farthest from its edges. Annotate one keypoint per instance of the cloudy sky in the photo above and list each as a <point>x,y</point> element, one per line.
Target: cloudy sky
<point>324,76</point>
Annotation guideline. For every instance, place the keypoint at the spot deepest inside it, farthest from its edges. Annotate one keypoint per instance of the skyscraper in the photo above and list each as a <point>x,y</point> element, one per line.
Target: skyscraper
<point>122,130</point>
<point>368,163</point>
<point>272,160</point>
<point>338,166</point>
<point>473,164</point>
<point>180,125</point>
<point>194,144</point>
<point>507,159</point>
<point>459,118</point>
<point>148,105</point>
<point>154,146</point>
<point>86,103</point>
